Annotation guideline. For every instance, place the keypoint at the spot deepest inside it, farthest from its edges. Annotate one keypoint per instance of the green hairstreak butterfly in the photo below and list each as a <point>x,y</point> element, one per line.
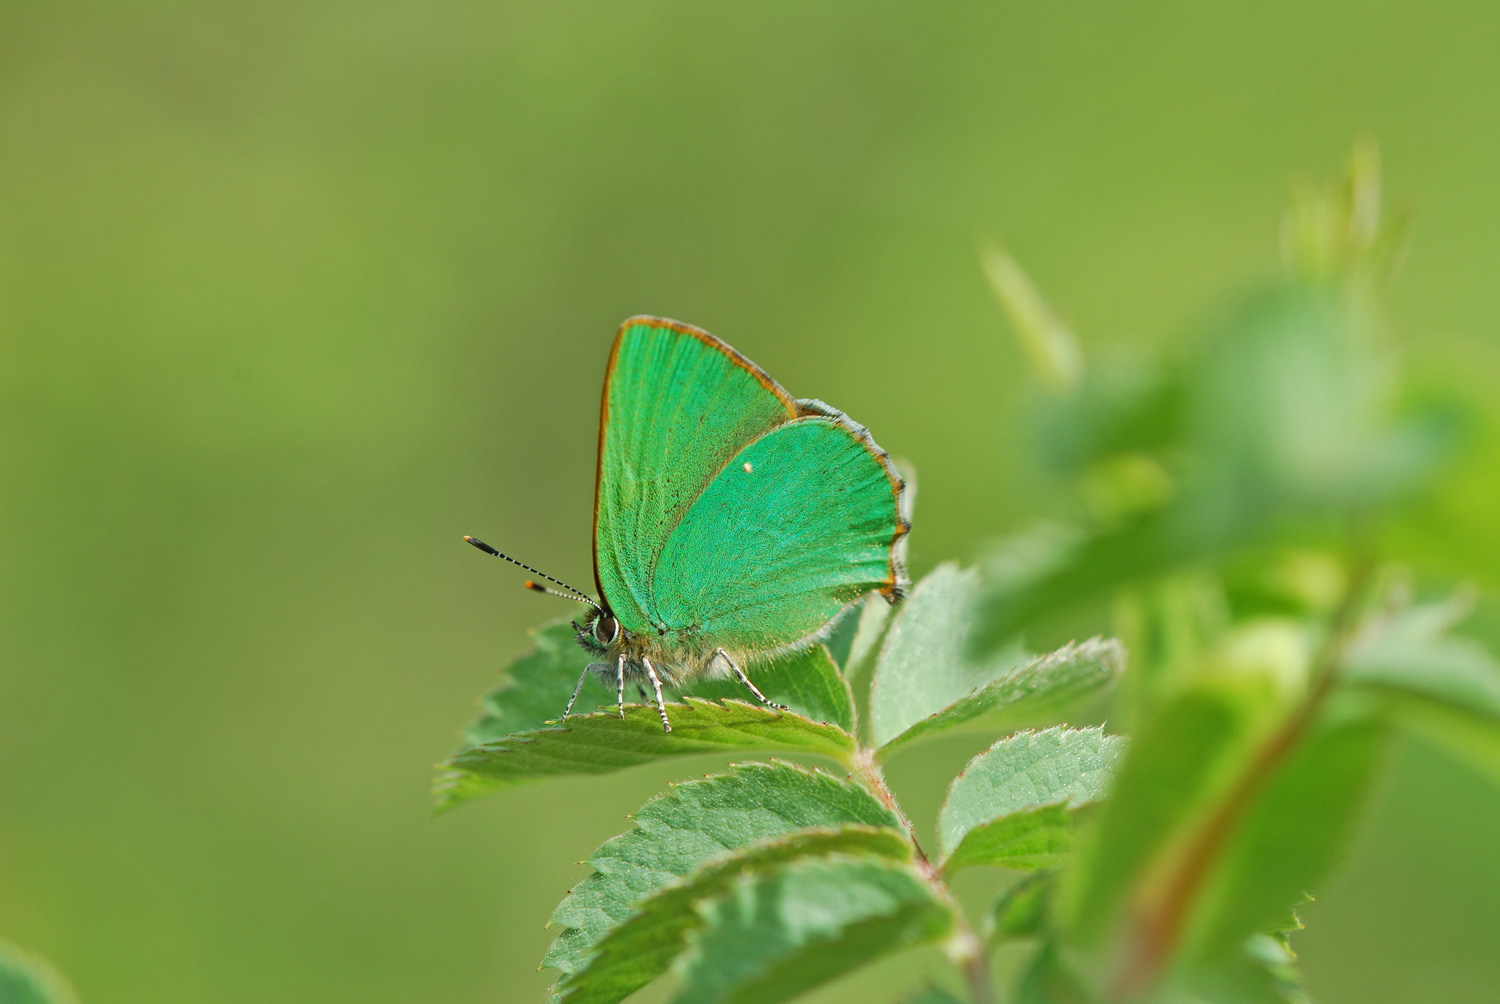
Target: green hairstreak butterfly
<point>732,522</point>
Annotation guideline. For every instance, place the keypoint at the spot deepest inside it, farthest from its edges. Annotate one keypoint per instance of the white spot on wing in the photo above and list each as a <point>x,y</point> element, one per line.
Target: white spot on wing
<point>748,467</point>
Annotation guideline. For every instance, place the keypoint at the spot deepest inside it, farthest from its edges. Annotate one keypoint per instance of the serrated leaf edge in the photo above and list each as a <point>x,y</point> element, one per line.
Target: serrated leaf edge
<point>718,874</point>
<point>455,784</point>
<point>1111,654</point>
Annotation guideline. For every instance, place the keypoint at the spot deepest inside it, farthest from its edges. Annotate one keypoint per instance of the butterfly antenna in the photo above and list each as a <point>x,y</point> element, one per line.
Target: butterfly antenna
<point>571,594</point>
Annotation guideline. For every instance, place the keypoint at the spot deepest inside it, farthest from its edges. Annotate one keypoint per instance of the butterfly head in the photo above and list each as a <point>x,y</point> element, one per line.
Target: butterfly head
<point>601,632</point>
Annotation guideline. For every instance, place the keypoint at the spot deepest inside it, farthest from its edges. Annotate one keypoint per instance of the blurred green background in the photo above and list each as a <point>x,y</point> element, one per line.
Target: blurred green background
<point>293,295</point>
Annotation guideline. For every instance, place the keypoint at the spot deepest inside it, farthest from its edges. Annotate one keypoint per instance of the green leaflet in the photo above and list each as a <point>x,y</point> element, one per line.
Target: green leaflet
<point>808,682</point>
<point>1041,837</point>
<point>540,682</point>
<point>924,665</point>
<point>1045,684</point>
<point>602,743</point>
<point>644,945</point>
<point>692,825</point>
<point>1011,805</point>
<point>1020,911</point>
<point>29,979</point>
<point>537,687</point>
<point>770,937</point>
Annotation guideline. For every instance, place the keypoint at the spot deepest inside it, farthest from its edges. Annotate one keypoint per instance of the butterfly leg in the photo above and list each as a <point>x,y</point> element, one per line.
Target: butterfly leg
<point>620,696</point>
<point>578,689</point>
<point>656,682</point>
<point>720,653</point>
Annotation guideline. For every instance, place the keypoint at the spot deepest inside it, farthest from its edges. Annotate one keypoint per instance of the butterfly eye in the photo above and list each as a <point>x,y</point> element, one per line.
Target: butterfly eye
<point>606,630</point>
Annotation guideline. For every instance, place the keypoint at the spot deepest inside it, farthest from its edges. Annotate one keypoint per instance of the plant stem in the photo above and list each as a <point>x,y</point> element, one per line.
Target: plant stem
<point>1158,924</point>
<point>965,948</point>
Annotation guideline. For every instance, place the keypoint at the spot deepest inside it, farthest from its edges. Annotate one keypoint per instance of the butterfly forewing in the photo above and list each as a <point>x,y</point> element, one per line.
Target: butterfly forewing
<point>678,404</point>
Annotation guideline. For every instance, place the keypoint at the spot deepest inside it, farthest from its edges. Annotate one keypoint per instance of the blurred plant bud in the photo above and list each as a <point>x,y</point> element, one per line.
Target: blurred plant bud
<point>1048,343</point>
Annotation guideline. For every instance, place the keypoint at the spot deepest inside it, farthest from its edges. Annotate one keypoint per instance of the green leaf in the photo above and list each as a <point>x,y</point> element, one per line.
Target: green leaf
<point>537,687</point>
<point>808,682</point>
<point>602,743</point>
<point>1011,806</point>
<point>924,666</point>
<point>1174,767</point>
<point>642,947</point>
<point>1288,837</point>
<point>29,979</point>
<point>772,936</point>
<point>1020,911</point>
<point>1444,688</point>
<point>516,716</point>
<point>1033,690</point>
<point>692,825</point>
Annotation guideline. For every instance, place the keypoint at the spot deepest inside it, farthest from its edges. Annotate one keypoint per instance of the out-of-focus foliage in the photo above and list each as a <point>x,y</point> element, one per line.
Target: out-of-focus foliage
<point>1279,426</point>
<point>1238,501</point>
<point>28,979</point>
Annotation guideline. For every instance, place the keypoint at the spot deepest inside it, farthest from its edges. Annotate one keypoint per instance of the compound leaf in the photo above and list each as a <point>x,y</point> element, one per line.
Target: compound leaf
<point>772,936</point>
<point>1013,804</point>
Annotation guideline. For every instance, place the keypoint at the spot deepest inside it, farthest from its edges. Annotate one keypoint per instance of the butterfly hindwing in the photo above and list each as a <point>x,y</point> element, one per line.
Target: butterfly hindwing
<point>801,521</point>
<point>678,404</point>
